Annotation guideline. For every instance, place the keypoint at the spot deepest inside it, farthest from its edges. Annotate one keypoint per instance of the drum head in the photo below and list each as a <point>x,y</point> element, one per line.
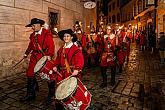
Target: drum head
<point>40,64</point>
<point>66,88</point>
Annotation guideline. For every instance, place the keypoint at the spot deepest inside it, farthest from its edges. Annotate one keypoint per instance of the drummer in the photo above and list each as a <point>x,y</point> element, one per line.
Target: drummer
<point>108,57</point>
<point>41,43</point>
<point>69,60</point>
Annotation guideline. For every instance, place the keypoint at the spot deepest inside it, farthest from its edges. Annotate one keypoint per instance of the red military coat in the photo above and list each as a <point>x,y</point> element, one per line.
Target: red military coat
<point>74,57</point>
<point>82,39</point>
<point>120,52</point>
<point>45,41</point>
<point>126,43</point>
<point>109,48</point>
<point>84,42</point>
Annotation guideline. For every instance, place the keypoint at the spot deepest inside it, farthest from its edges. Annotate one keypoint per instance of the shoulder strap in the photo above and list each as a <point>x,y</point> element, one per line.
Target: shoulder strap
<point>44,39</point>
<point>66,62</point>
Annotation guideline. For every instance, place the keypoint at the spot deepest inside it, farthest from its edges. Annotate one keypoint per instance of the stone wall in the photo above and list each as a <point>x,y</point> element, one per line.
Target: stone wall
<point>15,14</point>
<point>160,15</point>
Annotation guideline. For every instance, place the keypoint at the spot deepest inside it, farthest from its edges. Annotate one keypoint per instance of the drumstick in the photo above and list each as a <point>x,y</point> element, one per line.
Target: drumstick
<point>17,63</point>
<point>59,74</point>
<point>61,77</point>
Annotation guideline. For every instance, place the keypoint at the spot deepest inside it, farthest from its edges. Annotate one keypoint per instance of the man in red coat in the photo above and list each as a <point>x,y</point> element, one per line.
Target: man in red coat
<point>41,43</point>
<point>81,37</point>
<point>75,60</point>
<point>119,50</point>
<point>69,60</point>
<point>108,57</point>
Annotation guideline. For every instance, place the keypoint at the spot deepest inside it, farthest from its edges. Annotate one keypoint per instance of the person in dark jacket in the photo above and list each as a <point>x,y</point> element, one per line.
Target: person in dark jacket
<point>162,47</point>
<point>152,41</point>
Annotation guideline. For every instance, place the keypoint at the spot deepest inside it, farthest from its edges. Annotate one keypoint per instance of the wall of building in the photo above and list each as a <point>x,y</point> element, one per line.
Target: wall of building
<point>15,14</point>
<point>113,12</point>
<point>90,19</point>
<point>127,14</point>
<point>160,18</point>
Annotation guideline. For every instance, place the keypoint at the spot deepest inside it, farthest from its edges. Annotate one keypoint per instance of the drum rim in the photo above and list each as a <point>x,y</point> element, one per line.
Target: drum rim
<point>75,89</point>
<point>42,65</point>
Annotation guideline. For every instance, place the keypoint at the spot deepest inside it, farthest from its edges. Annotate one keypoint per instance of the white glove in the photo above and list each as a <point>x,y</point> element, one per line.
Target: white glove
<point>55,69</point>
<point>49,58</point>
<point>25,56</point>
<point>75,72</point>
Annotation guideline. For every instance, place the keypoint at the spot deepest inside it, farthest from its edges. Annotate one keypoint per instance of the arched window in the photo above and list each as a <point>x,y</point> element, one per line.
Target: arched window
<point>118,17</point>
<point>109,8</point>
<point>140,6</point>
<point>113,19</point>
<point>113,5</point>
<point>110,19</point>
<point>117,3</point>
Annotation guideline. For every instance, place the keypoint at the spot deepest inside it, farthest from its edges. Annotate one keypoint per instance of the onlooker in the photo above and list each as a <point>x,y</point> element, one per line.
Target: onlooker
<point>162,47</point>
<point>152,41</point>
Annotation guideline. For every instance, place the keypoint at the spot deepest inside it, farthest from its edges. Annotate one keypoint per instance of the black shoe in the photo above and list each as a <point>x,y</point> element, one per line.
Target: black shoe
<point>31,95</point>
<point>51,92</point>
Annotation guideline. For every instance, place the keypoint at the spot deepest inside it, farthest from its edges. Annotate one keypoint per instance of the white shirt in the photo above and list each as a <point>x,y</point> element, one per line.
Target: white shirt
<point>39,32</point>
<point>111,36</point>
<point>69,45</point>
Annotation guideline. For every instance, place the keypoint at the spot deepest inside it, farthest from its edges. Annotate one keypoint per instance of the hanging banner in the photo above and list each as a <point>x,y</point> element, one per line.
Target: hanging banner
<point>150,2</point>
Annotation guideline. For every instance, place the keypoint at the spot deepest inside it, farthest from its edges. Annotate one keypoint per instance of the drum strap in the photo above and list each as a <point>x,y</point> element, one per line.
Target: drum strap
<point>39,47</point>
<point>66,62</point>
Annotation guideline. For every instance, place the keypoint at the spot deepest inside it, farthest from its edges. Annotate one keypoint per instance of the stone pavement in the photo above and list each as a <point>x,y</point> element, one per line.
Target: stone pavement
<point>141,86</point>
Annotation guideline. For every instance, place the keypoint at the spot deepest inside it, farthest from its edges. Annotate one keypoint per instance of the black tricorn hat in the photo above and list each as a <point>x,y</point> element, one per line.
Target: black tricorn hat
<point>35,21</point>
<point>68,31</point>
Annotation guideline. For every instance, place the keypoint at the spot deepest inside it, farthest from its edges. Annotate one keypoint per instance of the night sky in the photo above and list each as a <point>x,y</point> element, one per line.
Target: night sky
<point>105,5</point>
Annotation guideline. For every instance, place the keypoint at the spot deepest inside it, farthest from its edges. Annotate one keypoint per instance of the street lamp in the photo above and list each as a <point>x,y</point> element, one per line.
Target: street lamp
<point>89,4</point>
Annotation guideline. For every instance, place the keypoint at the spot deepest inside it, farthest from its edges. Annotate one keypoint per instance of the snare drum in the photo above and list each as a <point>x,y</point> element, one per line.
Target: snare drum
<point>44,69</point>
<point>73,94</point>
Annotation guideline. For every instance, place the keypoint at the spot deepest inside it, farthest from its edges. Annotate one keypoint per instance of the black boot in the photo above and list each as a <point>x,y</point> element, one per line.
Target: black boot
<point>30,91</point>
<point>113,74</point>
<point>104,76</point>
<point>36,87</point>
<point>104,84</point>
<point>51,92</point>
<point>120,69</point>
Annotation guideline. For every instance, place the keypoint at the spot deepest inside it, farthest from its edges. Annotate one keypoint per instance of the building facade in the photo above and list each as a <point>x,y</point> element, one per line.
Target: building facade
<point>114,14</point>
<point>15,14</point>
<point>160,21</point>
<point>145,15</point>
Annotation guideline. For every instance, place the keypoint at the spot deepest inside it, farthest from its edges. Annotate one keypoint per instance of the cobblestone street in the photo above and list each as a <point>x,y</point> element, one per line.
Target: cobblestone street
<point>141,86</point>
